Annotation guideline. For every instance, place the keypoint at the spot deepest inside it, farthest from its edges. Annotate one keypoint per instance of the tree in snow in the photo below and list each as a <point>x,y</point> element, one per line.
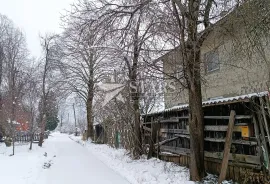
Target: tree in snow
<point>31,98</point>
<point>52,112</point>
<point>50,75</point>
<point>14,58</point>
<point>84,62</point>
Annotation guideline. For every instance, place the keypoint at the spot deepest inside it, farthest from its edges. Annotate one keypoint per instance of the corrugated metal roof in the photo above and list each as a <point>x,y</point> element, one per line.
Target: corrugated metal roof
<point>216,102</point>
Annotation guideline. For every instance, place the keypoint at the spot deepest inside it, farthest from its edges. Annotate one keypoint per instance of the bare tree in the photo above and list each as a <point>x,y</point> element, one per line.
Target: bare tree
<point>50,73</point>
<point>84,62</point>
<point>127,28</point>
<point>31,98</point>
<point>15,57</point>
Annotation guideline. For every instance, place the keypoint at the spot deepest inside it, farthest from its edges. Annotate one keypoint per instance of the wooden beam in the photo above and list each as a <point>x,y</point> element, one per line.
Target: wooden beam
<point>166,141</point>
<point>245,142</point>
<point>221,128</point>
<point>238,164</point>
<point>227,148</point>
<point>265,120</point>
<point>234,158</point>
<point>183,117</point>
<point>182,135</point>
<point>262,137</point>
<point>174,131</point>
<point>152,139</point>
<point>257,135</point>
<point>228,117</point>
<point>175,150</point>
<point>240,158</point>
<point>169,120</point>
<point>158,147</point>
<point>268,105</point>
<point>147,129</point>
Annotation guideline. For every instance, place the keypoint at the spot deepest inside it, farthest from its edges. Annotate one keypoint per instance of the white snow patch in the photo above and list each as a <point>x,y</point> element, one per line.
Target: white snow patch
<point>140,171</point>
<point>26,165</point>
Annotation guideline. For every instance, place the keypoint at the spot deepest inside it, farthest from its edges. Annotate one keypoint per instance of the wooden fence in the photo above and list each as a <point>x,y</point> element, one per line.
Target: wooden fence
<point>24,138</point>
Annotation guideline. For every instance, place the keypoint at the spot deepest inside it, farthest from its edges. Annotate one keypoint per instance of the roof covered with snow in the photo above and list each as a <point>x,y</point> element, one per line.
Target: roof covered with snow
<point>234,99</point>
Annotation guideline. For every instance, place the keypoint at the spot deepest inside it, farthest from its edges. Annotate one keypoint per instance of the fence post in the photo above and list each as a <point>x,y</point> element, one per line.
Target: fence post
<point>227,148</point>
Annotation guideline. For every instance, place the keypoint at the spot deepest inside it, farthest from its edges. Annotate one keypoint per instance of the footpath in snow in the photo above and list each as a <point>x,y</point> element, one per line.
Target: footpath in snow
<point>142,171</point>
<point>59,161</point>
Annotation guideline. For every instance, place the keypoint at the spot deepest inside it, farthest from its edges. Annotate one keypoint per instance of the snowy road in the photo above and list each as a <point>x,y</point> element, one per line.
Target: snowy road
<point>74,164</point>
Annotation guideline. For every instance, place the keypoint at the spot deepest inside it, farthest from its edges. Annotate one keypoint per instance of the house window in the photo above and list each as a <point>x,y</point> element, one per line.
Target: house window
<point>211,61</point>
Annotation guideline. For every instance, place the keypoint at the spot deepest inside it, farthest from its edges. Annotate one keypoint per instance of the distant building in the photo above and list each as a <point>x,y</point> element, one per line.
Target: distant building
<point>22,115</point>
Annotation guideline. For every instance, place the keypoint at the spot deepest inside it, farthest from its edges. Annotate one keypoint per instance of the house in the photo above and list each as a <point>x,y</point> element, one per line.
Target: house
<point>234,61</point>
<point>235,72</point>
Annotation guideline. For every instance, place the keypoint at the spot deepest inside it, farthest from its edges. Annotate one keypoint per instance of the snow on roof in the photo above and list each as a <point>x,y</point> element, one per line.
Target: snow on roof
<point>236,98</point>
<point>215,101</point>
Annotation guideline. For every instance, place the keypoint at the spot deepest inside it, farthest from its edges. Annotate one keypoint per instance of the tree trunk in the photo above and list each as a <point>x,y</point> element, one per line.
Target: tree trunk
<point>31,141</point>
<point>196,121</point>
<point>1,74</point>
<point>137,129</point>
<point>13,110</point>
<point>133,75</point>
<point>89,109</point>
<point>43,126</point>
<point>32,128</point>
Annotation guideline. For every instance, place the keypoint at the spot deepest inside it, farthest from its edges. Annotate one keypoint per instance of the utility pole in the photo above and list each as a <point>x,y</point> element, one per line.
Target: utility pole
<point>74,115</point>
<point>61,120</point>
<point>75,120</point>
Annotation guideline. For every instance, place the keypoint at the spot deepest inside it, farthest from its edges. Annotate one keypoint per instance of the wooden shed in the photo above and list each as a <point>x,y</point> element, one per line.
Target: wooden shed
<point>168,132</point>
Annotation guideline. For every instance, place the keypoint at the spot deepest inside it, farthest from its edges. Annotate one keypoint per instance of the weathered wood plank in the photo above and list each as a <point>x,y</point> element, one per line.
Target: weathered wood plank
<point>221,128</point>
<point>234,157</point>
<point>257,135</point>
<point>227,117</point>
<point>182,135</point>
<point>227,148</point>
<point>245,142</point>
<point>175,150</point>
<point>166,141</point>
<point>146,128</point>
<point>171,120</point>
<point>262,137</point>
<point>265,120</point>
<point>175,131</point>
<point>176,119</point>
<point>152,140</point>
<point>239,164</point>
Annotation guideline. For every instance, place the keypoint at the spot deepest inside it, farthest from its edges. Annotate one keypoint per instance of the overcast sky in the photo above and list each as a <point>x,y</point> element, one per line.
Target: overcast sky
<point>34,17</point>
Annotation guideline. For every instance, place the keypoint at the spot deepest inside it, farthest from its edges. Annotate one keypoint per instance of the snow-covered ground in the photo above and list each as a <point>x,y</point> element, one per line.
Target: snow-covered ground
<point>65,159</point>
<point>140,171</point>
<point>59,161</point>
<point>26,166</point>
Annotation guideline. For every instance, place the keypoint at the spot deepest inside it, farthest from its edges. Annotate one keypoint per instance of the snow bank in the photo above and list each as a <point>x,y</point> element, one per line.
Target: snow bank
<point>140,171</point>
<point>26,165</point>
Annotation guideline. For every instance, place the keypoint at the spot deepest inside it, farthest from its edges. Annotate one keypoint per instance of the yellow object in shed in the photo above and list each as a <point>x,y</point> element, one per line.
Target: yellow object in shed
<point>245,131</point>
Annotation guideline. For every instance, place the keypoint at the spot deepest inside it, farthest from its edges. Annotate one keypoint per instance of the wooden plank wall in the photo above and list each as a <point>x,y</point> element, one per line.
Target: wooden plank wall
<point>249,159</point>
<point>234,172</point>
